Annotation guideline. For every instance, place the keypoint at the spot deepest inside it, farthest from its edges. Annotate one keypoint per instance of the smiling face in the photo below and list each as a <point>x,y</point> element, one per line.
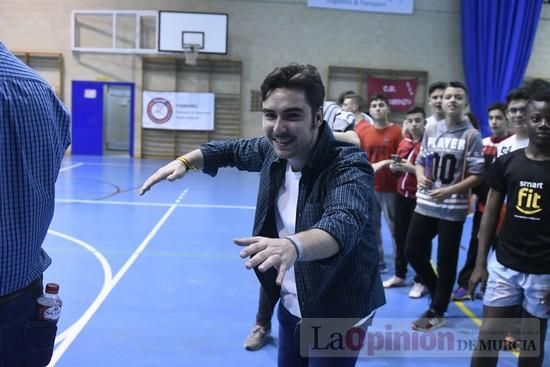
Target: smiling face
<point>435,101</point>
<point>516,114</point>
<point>454,103</point>
<point>538,124</point>
<point>290,126</point>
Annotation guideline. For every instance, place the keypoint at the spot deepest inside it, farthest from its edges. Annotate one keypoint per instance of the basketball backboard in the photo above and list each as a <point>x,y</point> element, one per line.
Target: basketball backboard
<point>178,31</point>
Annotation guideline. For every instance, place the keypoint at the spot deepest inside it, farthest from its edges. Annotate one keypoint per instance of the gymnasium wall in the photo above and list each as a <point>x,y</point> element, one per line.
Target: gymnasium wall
<point>264,34</point>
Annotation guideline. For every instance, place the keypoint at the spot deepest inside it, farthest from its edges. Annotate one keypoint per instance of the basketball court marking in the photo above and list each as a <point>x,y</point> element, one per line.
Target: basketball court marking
<point>139,203</point>
<point>107,272</point>
<point>466,311</point>
<point>86,317</point>
<point>114,164</point>
<point>70,167</point>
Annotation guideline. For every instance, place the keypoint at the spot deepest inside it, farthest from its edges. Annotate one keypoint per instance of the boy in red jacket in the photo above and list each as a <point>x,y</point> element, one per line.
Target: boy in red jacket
<point>403,165</point>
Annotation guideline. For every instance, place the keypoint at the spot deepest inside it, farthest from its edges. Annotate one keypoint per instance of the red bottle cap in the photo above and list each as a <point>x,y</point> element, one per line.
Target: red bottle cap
<point>52,288</point>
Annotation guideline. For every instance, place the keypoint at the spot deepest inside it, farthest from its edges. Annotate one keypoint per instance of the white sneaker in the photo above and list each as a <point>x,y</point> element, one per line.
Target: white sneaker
<point>418,290</point>
<point>394,281</point>
<point>257,337</point>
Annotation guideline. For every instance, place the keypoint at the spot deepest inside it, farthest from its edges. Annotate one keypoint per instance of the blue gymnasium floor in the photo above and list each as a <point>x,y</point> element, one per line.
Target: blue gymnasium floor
<point>157,281</point>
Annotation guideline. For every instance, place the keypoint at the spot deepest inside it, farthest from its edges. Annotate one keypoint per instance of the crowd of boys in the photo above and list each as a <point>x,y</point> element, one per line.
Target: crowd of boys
<point>431,172</point>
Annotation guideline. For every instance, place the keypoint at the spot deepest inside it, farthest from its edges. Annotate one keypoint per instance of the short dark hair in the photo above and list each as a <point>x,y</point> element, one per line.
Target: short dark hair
<point>536,85</point>
<point>416,109</point>
<point>541,94</point>
<point>343,96</point>
<point>516,94</point>
<point>357,99</point>
<point>538,90</point>
<point>377,96</point>
<point>436,85</point>
<point>457,84</point>
<point>497,106</point>
<point>300,77</point>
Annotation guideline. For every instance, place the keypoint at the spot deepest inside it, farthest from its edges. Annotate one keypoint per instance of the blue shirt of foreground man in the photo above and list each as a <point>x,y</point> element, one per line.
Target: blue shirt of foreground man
<point>34,133</point>
<point>313,225</point>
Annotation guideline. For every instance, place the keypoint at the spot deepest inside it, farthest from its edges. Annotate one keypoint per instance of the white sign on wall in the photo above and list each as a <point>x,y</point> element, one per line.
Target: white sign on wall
<point>178,111</point>
<point>379,6</point>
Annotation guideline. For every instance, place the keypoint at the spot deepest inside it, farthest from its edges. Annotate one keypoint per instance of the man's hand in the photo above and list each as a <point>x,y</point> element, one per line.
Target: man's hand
<point>397,167</point>
<point>441,193</point>
<point>403,166</point>
<point>381,164</point>
<point>479,275</point>
<point>276,253</point>
<point>423,183</point>
<point>170,172</point>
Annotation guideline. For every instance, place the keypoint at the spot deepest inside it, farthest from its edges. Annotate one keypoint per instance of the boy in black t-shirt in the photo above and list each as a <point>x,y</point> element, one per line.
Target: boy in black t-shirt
<point>517,275</point>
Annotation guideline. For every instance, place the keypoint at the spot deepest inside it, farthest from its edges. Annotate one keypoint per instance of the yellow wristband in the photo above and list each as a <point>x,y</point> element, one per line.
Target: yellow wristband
<point>187,164</point>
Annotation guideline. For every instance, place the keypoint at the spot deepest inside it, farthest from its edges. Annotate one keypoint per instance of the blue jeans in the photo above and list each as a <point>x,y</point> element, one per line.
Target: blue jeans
<point>23,340</point>
<point>289,346</point>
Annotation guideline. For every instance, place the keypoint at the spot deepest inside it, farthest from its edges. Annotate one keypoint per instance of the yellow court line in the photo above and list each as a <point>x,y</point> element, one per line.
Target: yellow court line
<point>468,312</point>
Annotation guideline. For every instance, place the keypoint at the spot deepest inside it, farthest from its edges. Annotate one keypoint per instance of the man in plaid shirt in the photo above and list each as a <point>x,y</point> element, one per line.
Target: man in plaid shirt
<point>312,240</point>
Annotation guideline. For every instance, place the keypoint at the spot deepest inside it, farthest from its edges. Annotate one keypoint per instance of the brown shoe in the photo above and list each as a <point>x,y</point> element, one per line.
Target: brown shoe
<point>256,338</point>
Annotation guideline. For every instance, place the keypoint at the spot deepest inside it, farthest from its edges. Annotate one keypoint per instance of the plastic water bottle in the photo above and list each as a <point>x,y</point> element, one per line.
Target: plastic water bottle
<point>428,165</point>
<point>428,170</point>
<point>49,304</point>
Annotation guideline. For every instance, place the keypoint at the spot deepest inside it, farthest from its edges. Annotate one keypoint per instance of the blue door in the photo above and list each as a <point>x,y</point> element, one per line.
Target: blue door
<point>87,117</point>
<point>88,125</point>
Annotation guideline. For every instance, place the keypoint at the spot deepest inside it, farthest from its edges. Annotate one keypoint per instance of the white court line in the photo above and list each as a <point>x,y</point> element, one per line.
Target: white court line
<point>107,272</point>
<point>218,206</point>
<point>79,325</point>
<point>70,167</point>
<point>141,203</point>
<point>141,164</point>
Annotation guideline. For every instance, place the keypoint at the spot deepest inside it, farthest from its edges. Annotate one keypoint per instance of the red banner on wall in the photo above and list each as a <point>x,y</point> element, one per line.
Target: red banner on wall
<point>400,92</point>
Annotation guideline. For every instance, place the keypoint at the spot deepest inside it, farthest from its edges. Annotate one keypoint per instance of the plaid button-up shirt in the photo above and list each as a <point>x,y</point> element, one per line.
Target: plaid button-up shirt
<point>34,133</point>
<point>335,195</point>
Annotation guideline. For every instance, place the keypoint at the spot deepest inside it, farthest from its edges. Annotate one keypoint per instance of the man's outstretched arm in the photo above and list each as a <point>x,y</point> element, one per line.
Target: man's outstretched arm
<point>174,170</point>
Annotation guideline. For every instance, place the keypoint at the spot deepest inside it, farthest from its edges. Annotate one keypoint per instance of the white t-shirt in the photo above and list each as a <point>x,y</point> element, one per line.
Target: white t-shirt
<point>431,121</point>
<point>511,144</point>
<point>343,121</point>
<point>340,120</point>
<point>285,217</point>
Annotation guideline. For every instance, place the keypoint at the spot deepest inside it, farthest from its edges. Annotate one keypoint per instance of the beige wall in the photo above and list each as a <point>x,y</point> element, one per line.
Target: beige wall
<point>267,33</point>
<point>540,57</point>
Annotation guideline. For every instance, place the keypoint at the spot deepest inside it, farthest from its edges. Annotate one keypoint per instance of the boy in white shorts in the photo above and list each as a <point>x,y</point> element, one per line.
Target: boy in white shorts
<point>517,275</point>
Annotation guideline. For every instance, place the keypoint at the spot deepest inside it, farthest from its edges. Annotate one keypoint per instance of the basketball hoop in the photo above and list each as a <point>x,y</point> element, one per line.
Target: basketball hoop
<point>191,52</point>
